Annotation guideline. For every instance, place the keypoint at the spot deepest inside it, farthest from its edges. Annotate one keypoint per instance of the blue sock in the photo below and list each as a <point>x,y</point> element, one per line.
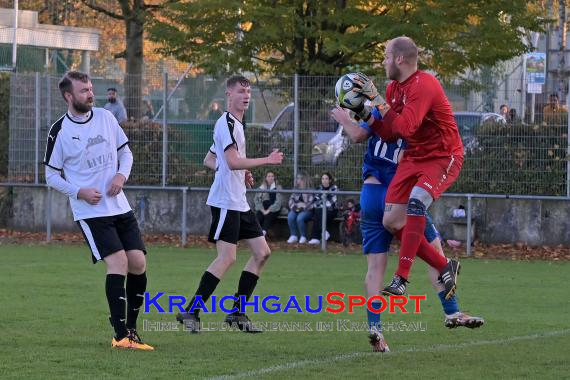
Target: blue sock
<point>374,318</point>
<point>449,306</point>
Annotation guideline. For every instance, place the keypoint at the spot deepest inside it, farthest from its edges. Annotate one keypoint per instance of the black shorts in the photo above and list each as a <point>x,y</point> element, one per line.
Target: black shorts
<point>231,226</point>
<point>109,234</point>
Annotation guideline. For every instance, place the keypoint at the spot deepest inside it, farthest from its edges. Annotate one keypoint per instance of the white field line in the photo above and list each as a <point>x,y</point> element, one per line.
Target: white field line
<point>348,357</point>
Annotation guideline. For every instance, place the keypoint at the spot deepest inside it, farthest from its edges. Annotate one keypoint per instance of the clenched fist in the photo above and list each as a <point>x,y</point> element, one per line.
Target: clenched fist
<point>116,185</point>
<point>89,195</point>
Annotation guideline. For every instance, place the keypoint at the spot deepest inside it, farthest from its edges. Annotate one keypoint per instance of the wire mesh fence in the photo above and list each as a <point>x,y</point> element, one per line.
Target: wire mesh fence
<point>171,121</point>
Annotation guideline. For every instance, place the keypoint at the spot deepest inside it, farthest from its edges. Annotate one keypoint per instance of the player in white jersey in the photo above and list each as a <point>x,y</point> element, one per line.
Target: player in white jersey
<point>88,159</point>
<point>232,218</point>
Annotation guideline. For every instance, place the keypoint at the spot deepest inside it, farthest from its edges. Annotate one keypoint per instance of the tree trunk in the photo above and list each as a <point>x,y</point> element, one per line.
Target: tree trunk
<point>134,66</point>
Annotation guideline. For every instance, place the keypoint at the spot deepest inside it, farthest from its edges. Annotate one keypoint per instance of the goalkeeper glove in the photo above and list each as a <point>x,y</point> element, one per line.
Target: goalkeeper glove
<point>367,88</point>
<point>362,112</point>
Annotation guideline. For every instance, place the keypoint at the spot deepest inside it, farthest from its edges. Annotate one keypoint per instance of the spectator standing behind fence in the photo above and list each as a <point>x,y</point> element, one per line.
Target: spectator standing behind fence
<point>115,106</point>
<point>504,111</point>
<point>553,108</point>
<point>148,110</point>
<point>327,183</point>
<point>268,205</point>
<point>215,111</point>
<point>512,115</point>
<point>300,211</point>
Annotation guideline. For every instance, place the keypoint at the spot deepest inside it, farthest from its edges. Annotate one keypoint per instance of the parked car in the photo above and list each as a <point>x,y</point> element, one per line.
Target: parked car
<point>328,141</point>
<point>468,122</point>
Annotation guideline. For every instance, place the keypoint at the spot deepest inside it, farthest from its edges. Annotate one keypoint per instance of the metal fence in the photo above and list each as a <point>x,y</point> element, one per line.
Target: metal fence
<point>524,153</point>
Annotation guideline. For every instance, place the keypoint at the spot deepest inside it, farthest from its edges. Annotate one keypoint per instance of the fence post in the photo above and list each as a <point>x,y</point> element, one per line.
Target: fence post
<point>48,214</point>
<point>568,148</point>
<point>184,193</point>
<point>48,100</point>
<point>324,223</point>
<point>37,136</point>
<point>522,104</point>
<point>469,253</point>
<point>296,129</point>
<point>164,128</point>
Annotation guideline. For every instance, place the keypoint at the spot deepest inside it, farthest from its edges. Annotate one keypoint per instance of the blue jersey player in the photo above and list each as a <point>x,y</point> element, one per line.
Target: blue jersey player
<point>380,162</point>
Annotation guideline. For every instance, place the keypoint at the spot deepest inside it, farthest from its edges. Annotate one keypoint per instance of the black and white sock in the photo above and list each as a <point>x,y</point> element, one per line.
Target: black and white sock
<point>207,286</point>
<point>136,286</point>
<point>116,296</point>
<point>247,283</point>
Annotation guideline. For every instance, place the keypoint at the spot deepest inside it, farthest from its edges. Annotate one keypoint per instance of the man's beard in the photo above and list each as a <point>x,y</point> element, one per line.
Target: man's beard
<point>112,100</point>
<point>82,107</point>
<point>394,72</point>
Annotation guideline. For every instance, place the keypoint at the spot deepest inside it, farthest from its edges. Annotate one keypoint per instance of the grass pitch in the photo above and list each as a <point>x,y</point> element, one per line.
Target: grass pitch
<point>54,321</point>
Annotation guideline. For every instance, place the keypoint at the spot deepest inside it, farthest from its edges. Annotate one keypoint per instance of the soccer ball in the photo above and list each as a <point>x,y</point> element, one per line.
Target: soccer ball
<point>343,91</point>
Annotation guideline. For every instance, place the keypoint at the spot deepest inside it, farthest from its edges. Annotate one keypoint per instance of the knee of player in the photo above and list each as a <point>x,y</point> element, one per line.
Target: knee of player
<point>137,268</point>
<point>266,253</point>
<point>136,262</point>
<point>117,262</point>
<point>262,254</point>
<point>230,260</point>
<point>416,207</point>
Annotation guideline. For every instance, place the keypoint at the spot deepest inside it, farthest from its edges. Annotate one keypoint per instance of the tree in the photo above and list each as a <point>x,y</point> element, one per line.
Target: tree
<point>323,37</point>
<point>135,15</point>
<point>327,37</point>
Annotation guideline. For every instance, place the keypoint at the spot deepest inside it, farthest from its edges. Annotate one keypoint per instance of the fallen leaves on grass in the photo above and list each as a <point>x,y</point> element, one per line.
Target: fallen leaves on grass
<point>518,251</point>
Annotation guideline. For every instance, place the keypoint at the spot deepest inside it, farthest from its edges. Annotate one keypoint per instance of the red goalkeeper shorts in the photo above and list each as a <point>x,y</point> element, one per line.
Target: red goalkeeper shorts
<point>434,175</point>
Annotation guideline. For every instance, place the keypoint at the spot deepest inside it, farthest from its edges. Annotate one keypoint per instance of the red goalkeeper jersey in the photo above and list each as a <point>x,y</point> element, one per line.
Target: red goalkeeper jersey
<point>420,113</point>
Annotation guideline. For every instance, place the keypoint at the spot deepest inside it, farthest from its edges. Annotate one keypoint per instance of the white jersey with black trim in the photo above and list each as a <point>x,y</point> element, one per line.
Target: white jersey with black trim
<point>228,189</point>
<point>86,154</point>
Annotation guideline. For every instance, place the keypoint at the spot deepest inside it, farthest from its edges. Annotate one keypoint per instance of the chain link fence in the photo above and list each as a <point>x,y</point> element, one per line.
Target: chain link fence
<point>516,153</point>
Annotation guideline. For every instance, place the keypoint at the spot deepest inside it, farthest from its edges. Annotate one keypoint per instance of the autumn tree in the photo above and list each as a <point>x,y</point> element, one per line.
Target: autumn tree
<point>327,37</point>
<point>135,15</point>
<point>323,37</point>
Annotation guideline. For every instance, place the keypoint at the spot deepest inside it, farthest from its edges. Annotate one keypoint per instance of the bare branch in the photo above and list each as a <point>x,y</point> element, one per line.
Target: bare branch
<point>159,6</point>
<point>102,10</point>
<point>122,54</point>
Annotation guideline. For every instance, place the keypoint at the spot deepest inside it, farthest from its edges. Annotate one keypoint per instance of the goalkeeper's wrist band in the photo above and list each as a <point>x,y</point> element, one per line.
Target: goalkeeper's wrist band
<point>383,107</point>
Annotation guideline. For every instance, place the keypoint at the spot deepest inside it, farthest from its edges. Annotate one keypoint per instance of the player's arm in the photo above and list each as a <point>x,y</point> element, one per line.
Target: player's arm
<point>384,130</point>
<point>374,121</point>
<point>54,161</point>
<point>57,182</point>
<point>235,162</point>
<point>125,158</point>
<point>408,121</point>
<point>354,132</point>
<point>419,100</point>
<point>210,160</point>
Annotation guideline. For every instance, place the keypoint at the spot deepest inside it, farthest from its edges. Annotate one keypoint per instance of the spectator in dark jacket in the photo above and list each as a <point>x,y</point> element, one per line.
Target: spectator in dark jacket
<point>329,200</point>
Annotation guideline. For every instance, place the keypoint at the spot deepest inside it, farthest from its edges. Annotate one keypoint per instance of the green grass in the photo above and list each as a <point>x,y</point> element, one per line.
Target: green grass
<point>54,321</point>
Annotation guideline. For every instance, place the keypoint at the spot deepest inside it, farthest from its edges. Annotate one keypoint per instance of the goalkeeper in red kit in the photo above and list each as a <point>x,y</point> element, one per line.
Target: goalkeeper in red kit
<point>418,111</point>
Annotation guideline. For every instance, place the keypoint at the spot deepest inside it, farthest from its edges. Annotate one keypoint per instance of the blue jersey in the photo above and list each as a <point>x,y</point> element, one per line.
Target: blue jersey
<point>381,158</point>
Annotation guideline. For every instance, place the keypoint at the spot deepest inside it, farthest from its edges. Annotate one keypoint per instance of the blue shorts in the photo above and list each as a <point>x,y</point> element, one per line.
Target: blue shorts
<point>375,238</point>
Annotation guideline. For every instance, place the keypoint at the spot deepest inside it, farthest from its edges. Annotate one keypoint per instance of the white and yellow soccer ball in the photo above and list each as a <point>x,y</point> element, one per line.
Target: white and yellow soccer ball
<point>344,93</point>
